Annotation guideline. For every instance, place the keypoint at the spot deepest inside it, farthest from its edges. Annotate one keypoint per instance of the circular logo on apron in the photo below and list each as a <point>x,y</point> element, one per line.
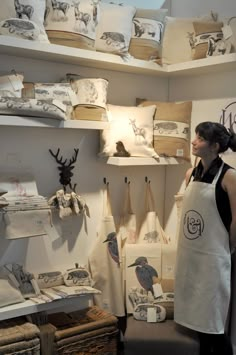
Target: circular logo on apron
<point>193,224</point>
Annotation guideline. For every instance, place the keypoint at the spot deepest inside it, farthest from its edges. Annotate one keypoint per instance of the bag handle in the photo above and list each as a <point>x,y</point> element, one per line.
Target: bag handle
<point>106,201</point>
<point>149,198</point>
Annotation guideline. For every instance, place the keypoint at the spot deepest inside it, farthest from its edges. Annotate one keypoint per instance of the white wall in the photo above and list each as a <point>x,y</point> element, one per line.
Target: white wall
<point>20,147</point>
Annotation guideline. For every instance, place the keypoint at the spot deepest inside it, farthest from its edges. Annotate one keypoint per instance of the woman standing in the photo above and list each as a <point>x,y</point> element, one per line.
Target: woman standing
<point>206,241</point>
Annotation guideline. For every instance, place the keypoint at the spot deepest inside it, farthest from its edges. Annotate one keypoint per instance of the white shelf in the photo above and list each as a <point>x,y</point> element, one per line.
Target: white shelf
<point>19,121</point>
<point>29,307</point>
<point>131,161</point>
<point>88,58</point>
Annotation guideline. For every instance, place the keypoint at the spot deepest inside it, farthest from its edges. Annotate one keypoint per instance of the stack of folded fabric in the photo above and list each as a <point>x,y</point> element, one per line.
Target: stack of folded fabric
<point>91,330</point>
<point>17,336</point>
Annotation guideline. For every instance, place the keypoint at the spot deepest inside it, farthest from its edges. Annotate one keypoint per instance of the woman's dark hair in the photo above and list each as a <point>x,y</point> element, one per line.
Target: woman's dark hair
<point>214,132</point>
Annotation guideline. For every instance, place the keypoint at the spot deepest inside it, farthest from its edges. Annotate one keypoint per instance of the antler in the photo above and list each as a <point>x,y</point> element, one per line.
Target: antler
<point>59,161</point>
<point>73,160</point>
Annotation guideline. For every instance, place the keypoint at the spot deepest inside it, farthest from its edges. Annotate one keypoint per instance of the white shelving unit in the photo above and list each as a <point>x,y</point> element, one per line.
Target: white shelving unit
<point>29,307</point>
<point>88,58</point>
<point>53,123</point>
<point>132,161</point>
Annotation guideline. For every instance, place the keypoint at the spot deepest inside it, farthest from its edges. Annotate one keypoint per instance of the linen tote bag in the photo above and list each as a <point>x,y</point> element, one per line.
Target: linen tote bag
<point>127,233</point>
<point>150,230</point>
<point>104,263</point>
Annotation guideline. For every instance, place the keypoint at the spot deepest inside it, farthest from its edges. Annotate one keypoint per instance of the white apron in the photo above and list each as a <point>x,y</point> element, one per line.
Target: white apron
<point>203,268</point>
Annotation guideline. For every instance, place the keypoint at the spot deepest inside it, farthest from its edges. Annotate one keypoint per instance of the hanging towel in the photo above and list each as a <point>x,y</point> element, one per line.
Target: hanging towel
<point>104,263</point>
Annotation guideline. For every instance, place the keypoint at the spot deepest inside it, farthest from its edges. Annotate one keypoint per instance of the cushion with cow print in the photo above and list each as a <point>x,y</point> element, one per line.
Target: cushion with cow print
<point>208,40</point>
<point>57,93</point>
<point>114,29</point>
<point>30,107</point>
<point>72,23</point>
<point>130,132</point>
<point>171,128</point>
<point>147,32</point>
<point>23,18</point>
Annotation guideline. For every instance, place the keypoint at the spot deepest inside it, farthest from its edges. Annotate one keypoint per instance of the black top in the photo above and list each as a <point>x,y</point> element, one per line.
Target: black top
<point>222,199</point>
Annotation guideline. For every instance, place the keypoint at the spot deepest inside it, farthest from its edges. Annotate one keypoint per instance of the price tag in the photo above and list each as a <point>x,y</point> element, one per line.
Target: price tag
<point>157,289</point>
<point>151,315</point>
<point>227,31</point>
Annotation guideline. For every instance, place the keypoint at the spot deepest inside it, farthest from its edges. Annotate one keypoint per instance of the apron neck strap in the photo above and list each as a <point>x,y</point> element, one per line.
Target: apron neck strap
<point>218,174</point>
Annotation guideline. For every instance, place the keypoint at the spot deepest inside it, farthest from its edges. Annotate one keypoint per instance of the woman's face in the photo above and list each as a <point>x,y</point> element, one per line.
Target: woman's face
<point>200,147</point>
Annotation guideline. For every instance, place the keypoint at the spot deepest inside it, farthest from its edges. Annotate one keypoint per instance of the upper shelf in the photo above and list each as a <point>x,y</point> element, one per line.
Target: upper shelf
<point>19,121</point>
<point>88,58</point>
<point>134,161</point>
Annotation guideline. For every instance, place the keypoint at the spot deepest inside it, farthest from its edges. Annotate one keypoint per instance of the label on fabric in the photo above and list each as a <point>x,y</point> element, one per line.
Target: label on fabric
<point>157,289</point>
<point>151,315</point>
<point>170,129</point>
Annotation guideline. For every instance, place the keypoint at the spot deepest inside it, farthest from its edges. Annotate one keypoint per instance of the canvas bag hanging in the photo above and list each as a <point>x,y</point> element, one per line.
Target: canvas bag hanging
<point>104,263</point>
<point>150,230</point>
<point>127,233</point>
<point>143,273</point>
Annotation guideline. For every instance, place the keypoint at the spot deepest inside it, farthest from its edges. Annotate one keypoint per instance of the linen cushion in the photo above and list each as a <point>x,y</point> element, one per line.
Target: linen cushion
<point>171,128</point>
<point>31,14</point>
<point>147,32</point>
<point>113,33</point>
<point>132,127</point>
<point>71,24</point>
<point>51,93</point>
<point>208,39</point>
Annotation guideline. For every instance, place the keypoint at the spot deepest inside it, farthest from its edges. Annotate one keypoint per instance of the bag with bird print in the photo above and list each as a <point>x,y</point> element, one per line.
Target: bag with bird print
<point>143,274</point>
<point>150,230</point>
<point>104,263</point>
<point>127,233</point>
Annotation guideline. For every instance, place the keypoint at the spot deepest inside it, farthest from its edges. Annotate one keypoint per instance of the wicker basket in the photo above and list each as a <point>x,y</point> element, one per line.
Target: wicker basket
<point>88,331</point>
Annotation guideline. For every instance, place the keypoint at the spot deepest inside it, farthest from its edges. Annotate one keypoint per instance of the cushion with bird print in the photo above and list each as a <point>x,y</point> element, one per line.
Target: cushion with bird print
<point>23,18</point>
<point>72,23</point>
<point>171,128</point>
<point>147,32</point>
<point>130,132</point>
<point>114,29</point>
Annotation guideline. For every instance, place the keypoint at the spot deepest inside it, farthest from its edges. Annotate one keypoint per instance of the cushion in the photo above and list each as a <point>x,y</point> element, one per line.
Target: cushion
<point>147,32</point>
<point>114,29</point>
<point>49,279</point>
<point>231,22</point>
<point>31,14</point>
<point>11,85</point>
<point>51,93</point>
<point>178,39</point>
<point>130,132</point>
<point>208,39</point>
<point>30,107</point>
<point>71,24</point>
<point>172,128</point>
<point>90,92</point>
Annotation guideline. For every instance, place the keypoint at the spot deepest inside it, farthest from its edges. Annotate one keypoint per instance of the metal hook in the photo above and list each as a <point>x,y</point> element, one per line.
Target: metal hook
<point>146,180</point>
<point>105,181</point>
<point>126,180</point>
